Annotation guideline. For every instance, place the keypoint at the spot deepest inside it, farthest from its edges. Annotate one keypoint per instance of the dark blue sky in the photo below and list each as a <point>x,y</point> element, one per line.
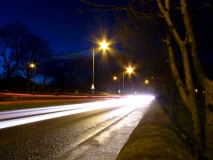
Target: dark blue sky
<point>58,21</point>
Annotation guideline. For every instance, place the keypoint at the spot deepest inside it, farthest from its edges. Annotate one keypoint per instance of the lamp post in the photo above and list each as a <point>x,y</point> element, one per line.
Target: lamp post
<point>115,78</point>
<point>129,70</point>
<point>93,86</point>
<point>123,83</point>
<point>104,46</point>
<point>33,66</point>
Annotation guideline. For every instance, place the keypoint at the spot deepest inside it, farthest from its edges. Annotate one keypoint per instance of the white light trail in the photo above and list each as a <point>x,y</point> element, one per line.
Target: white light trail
<point>35,111</point>
<point>26,116</point>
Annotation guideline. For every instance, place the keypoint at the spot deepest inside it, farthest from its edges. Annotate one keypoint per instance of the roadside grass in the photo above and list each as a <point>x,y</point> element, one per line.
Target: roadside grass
<point>185,120</point>
<point>27,105</point>
<point>185,123</point>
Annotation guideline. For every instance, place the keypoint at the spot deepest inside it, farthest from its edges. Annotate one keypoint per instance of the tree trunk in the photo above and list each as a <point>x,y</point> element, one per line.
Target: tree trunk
<point>44,82</point>
<point>192,102</point>
<point>9,81</point>
<point>28,85</point>
<point>29,77</point>
<point>209,119</point>
<point>175,72</point>
<point>204,81</point>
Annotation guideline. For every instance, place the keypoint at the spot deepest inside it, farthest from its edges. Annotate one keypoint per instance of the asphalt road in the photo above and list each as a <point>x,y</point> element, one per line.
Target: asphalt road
<point>51,139</point>
<point>107,144</point>
<point>55,138</point>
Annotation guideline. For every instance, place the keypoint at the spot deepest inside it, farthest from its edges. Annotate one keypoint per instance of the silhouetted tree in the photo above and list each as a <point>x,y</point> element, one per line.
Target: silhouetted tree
<point>143,38</point>
<point>33,49</point>
<point>176,19</point>
<point>66,70</point>
<point>11,35</point>
<point>188,48</point>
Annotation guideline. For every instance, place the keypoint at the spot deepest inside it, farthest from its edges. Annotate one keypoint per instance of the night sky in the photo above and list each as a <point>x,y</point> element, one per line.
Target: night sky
<point>59,21</point>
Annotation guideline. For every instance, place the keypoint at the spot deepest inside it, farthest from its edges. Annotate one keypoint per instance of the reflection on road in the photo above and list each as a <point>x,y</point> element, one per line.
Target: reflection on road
<point>19,117</point>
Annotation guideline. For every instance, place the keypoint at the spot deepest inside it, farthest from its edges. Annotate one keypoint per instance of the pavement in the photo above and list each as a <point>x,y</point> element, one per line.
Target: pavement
<point>107,144</point>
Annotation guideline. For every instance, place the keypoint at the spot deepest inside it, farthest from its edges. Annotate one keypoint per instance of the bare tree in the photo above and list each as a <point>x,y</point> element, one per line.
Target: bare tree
<point>177,16</point>
<point>11,35</point>
<point>66,70</point>
<point>33,49</point>
<point>188,47</point>
<point>143,37</point>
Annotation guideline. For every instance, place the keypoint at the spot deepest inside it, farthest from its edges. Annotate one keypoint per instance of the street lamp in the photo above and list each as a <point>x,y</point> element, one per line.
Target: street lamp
<point>129,70</point>
<point>104,46</point>
<point>146,81</point>
<point>33,66</point>
<point>115,78</point>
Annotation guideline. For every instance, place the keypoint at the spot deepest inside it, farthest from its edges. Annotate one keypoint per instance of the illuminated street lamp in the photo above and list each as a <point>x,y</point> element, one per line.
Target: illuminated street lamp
<point>33,66</point>
<point>129,71</point>
<point>103,46</point>
<point>146,81</point>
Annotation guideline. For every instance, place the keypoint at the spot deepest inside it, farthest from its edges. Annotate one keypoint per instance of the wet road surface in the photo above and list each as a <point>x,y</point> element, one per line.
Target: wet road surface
<point>61,137</point>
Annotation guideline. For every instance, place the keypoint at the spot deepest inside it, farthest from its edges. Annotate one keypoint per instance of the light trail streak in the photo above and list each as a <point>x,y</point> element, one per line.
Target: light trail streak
<point>35,111</point>
<point>38,114</point>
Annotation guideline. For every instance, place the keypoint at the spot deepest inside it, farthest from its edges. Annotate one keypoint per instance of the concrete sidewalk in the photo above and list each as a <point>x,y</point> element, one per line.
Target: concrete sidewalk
<point>107,144</point>
<point>155,138</point>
